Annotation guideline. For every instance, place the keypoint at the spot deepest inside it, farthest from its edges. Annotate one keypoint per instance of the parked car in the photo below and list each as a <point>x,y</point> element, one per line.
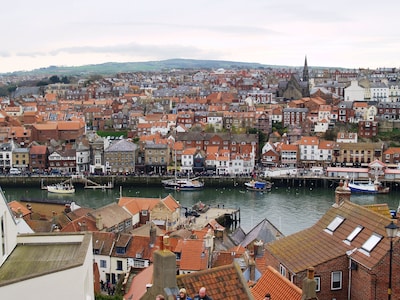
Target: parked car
<point>15,171</point>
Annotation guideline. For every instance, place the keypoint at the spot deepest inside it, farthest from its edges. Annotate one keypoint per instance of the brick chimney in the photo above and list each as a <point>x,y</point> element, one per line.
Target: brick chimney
<point>342,193</point>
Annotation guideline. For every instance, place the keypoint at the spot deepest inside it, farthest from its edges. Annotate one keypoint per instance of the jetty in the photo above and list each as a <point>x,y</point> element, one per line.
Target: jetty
<point>227,217</point>
<point>86,182</point>
<point>89,184</point>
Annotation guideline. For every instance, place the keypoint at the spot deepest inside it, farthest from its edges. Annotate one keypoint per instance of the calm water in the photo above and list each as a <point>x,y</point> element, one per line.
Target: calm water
<point>290,210</point>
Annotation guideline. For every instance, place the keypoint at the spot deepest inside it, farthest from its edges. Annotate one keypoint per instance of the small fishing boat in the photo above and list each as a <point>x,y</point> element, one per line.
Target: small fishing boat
<point>61,188</point>
<point>255,185</point>
<point>371,187</point>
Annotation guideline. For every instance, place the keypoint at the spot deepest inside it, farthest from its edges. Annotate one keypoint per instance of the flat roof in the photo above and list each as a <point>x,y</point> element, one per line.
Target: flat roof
<point>43,256</point>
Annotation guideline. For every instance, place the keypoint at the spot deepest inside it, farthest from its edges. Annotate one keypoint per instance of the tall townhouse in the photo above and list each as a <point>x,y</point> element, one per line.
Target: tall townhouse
<point>120,157</point>
<point>20,158</point>
<point>309,151</point>
<point>6,156</point>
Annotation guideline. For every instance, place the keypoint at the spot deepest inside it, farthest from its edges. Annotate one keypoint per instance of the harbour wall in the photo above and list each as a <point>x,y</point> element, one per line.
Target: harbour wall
<point>155,181</point>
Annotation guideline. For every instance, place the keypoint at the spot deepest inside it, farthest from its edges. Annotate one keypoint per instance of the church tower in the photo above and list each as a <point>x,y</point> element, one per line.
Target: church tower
<point>306,76</point>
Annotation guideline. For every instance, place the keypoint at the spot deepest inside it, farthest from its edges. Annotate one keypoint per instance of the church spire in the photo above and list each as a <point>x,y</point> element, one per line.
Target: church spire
<point>306,76</point>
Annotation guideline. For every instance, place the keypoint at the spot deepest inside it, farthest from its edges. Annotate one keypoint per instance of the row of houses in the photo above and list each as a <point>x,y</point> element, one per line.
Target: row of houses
<point>195,152</point>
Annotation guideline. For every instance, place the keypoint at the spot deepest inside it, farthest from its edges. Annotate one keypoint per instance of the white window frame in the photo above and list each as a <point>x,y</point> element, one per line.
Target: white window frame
<point>318,285</point>
<point>334,224</point>
<point>353,234</point>
<point>282,270</point>
<point>333,281</point>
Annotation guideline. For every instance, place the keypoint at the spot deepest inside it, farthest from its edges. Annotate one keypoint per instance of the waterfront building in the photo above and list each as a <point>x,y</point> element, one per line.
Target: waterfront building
<point>38,158</point>
<point>156,157</point>
<point>120,157</point>
<point>357,154</point>
<point>21,158</point>
<point>82,158</point>
<point>63,161</point>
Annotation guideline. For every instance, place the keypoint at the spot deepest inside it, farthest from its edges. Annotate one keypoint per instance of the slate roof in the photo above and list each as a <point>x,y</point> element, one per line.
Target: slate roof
<point>316,245</point>
<point>121,146</point>
<point>225,282</point>
<point>111,214</point>
<point>263,231</point>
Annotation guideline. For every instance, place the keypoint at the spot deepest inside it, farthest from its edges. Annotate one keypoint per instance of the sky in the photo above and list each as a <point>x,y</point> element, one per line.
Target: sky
<point>349,34</point>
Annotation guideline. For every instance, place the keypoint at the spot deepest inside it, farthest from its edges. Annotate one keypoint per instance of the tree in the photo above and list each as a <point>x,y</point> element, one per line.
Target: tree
<point>54,79</point>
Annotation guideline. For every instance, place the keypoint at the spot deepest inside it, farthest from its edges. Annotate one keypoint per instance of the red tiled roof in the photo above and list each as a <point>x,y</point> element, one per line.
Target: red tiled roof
<point>279,287</point>
<point>194,256</point>
<point>225,282</point>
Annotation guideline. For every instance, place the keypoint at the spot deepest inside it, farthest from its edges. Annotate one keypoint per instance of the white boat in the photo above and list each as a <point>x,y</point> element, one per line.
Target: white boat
<point>371,187</point>
<point>183,184</point>
<point>61,188</point>
<point>255,185</point>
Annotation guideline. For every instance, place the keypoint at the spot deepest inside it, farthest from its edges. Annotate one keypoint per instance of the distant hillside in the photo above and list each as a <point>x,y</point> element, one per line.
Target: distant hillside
<point>163,65</point>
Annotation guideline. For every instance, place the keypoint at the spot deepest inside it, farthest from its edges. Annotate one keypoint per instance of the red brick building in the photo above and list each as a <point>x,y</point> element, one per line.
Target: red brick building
<point>348,248</point>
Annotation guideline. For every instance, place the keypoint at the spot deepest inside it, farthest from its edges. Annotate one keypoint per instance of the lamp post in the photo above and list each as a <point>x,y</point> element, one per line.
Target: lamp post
<point>391,232</point>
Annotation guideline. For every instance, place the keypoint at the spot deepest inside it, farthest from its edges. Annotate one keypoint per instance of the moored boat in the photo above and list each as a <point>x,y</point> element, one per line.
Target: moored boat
<point>255,185</point>
<point>61,188</point>
<point>183,184</point>
<point>371,187</point>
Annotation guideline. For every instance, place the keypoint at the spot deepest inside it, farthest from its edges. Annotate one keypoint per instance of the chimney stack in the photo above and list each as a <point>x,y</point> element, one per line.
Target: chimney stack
<point>342,193</point>
<point>99,222</point>
<point>164,276</point>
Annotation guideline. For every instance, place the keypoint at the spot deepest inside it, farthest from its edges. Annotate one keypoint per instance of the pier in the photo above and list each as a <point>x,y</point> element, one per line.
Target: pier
<point>227,217</point>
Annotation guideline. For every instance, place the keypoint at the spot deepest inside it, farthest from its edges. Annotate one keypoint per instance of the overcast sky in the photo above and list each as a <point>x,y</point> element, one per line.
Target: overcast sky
<point>351,33</point>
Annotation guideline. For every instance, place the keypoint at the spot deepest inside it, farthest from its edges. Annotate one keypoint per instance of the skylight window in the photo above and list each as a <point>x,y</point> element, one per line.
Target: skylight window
<point>370,244</point>
<point>334,224</point>
<point>354,233</point>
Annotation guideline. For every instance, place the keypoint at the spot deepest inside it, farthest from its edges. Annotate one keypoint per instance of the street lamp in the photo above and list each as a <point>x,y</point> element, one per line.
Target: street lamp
<point>391,232</point>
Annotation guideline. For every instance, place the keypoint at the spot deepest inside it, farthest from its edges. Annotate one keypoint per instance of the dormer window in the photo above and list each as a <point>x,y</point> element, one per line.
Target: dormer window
<point>334,224</point>
<point>370,244</point>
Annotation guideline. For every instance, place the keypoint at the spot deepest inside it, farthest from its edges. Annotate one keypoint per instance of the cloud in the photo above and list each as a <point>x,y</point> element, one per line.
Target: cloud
<point>131,49</point>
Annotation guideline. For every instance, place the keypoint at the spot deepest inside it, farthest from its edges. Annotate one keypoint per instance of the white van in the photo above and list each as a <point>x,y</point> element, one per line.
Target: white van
<point>15,171</point>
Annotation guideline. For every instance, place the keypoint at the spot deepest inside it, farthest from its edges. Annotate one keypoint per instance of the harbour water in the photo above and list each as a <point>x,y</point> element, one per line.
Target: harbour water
<point>289,209</point>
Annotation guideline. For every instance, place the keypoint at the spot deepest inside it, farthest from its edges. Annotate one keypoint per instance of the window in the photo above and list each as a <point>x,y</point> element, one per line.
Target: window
<point>119,265</point>
<point>282,270</point>
<point>334,224</point>
<point>370,244</point>
<point>318,281</point>
<point>336,280</point>
<point>103,263</point>
<point>353,234</point>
